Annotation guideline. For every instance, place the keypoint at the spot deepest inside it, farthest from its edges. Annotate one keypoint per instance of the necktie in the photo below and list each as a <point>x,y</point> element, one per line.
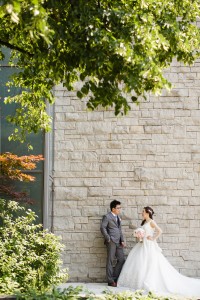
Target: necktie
<point>118,221</point>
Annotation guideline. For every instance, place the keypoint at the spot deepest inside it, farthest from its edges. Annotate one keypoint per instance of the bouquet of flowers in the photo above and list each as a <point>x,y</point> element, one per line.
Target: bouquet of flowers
<point>139,233</point>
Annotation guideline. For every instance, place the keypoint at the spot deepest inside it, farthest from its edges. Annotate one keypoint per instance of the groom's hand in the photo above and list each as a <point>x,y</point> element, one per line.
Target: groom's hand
<point>123,244</point>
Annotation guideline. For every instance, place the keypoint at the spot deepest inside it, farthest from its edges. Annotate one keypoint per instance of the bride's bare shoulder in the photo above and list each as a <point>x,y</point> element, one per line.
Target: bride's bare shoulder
<point>153,224</point>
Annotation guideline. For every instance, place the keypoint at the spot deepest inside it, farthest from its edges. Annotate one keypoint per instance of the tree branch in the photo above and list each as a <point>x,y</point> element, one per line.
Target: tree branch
<point>15,48</point>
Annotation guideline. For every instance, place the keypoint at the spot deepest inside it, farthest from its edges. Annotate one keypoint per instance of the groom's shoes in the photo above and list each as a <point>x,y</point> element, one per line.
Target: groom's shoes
<point>113,284</point>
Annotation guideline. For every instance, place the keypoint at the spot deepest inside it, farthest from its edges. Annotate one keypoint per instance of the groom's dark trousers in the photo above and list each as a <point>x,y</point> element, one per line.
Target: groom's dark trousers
<point>111,230</point>
<point>114,251</point>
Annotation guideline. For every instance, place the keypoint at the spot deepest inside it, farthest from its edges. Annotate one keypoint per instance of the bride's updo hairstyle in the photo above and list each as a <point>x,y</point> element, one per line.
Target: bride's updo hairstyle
<point>149,211</point>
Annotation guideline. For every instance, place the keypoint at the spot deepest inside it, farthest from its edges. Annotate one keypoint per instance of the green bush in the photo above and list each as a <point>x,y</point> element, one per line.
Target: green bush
<point>70,293</point>
<point>29,256</point>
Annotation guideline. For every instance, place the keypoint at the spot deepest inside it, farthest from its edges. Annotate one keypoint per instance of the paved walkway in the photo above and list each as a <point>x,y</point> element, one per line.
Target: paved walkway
<point>95,288</point>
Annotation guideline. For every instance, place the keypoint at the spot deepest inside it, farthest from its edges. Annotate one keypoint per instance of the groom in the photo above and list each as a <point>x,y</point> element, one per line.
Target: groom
<point>114,240</point>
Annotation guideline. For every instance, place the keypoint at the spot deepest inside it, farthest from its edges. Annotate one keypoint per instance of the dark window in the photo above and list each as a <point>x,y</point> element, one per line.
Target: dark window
<point>35,189</point>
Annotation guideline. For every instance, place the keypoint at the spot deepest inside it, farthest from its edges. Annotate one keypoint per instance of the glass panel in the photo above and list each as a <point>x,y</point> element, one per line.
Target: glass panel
<point>35,189</point>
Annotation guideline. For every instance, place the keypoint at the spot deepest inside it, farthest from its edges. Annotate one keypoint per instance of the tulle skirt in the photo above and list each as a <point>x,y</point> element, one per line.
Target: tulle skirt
<point>147,269</point>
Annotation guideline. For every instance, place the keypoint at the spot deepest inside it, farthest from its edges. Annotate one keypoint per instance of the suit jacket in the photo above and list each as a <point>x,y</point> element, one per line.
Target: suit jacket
<point>111,230</point>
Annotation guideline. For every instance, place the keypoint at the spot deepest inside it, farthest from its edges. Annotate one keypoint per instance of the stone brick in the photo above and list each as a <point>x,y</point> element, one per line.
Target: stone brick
<point>176,173</point>
<point>185,184</point>
<point>136,129</point>
<point>152,129</point>
<point>99,191</point>
<point>91,182</point>
<point>90,156</point>
<point>113,167</point>
<point>70,193</point>
<point>111,182</point>
<point>123,192</point>
<point>75,156</point>
<point>159,139</point>
<point>80,220</point>
<point>90,211</point>
<point>128,157</point>
<point>63,223</point>
<point>151,174</point>
<point>83,166</point>
<point>131,183</point>
<point>64,145</point>
<point>95,116</point>
<point>61,209</point>
<point>194,200</point>
<point>109,158</point>
<point>80,144</point>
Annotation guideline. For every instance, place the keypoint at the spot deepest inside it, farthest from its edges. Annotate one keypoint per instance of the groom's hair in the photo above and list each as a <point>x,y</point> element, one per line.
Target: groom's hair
<point>114,203</point>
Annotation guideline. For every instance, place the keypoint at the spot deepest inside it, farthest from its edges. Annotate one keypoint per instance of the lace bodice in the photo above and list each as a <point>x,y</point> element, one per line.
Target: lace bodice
<point>149,231</point>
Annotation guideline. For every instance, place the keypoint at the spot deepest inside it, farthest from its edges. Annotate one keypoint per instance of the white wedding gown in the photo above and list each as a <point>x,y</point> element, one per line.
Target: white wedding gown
<point>147,269</point>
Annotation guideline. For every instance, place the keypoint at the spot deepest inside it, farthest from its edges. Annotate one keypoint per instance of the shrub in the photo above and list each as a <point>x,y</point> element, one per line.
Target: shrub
<point>12,169</point>
<point>71,293</point>
<point>29,256</point>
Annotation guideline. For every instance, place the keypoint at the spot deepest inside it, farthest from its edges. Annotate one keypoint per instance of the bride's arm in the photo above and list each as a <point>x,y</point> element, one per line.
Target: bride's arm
<point>158,230</point>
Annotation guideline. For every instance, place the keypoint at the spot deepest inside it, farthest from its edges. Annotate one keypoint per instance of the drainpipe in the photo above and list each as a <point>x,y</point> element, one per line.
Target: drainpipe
<point>48,210</point>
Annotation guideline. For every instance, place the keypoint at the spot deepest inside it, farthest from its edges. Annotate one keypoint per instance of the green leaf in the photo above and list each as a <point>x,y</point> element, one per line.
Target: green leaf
<point>134,99</point>
<point>79,95</point>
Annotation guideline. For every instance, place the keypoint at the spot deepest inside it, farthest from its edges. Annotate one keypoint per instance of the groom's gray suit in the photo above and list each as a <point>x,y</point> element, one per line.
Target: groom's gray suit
<point>112,232</point>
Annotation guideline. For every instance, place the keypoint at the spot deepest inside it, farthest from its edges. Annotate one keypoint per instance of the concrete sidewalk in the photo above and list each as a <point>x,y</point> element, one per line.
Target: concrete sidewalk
<point>95,288</point>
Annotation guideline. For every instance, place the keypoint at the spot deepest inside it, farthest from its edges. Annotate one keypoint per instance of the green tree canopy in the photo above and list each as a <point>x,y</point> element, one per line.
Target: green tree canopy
<point>118,49</point>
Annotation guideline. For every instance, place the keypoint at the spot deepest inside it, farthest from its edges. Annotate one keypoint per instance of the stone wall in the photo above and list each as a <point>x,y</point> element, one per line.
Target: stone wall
<point>149,157</point>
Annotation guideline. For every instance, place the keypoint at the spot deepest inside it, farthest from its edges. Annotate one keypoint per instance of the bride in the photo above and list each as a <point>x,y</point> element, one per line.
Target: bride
<point>146,268</point>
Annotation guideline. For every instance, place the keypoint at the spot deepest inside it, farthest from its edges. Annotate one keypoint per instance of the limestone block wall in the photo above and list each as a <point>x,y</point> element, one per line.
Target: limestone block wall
<point>149,157</point>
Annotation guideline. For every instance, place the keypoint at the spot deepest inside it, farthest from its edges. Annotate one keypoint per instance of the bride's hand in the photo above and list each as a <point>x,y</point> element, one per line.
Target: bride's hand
<point>150,238</point>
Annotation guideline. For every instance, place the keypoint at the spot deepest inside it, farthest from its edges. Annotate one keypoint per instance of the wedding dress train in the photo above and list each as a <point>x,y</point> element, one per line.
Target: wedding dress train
<point>147,269</point>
